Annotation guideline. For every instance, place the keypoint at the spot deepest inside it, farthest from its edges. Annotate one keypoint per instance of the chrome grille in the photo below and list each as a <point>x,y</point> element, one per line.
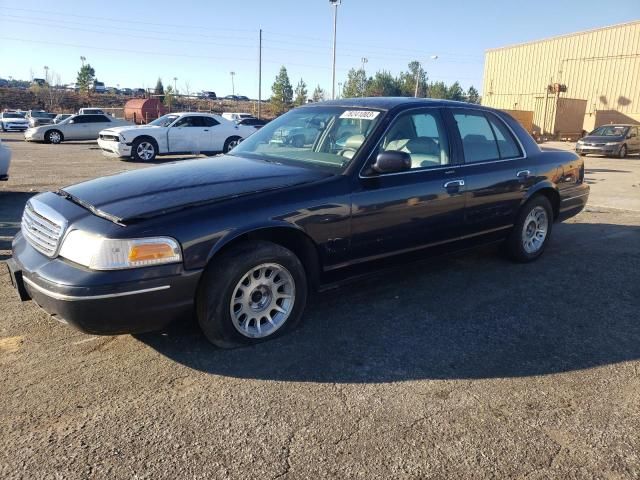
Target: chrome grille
<point>42,227</point>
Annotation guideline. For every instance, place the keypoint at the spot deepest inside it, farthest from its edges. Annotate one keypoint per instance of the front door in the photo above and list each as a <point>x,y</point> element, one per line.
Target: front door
<point>188,135</point>
<point>497,172</point>
<point>424,206</point>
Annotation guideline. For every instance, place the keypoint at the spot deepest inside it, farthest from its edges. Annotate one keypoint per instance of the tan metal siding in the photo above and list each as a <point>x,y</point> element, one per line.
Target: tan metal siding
<point>600,66</point>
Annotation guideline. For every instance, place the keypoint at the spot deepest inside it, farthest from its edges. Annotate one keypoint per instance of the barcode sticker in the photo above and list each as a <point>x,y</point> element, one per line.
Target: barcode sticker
<point>360,114</point>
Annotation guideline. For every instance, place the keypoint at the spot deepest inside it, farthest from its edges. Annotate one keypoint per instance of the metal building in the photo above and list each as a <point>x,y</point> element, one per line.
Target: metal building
<point>570,83</point>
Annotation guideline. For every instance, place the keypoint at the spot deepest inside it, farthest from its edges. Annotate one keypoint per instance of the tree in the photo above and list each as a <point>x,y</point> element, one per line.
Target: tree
<point>473,96</point>
<point>455,92</point>
<point>383,84</point>
<point>301,93</point>
<point>159,90</point>
<point>86,77</point>
<point>168,96</point>
<point>356,84</point>
<point>282,91</point>
<point>318,94</point>
<point>438,90</point>
<point>408,80</point>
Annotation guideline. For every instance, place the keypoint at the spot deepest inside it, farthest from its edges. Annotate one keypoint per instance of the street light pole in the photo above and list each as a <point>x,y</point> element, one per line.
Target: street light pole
<point>363,61</point>
<point>335,4</point>
<point>175,85</point>
<point>233,87</point>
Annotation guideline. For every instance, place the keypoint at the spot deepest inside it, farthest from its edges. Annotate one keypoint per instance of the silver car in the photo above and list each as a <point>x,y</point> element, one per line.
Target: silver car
<point>76,127</point>
<point>5,161</point>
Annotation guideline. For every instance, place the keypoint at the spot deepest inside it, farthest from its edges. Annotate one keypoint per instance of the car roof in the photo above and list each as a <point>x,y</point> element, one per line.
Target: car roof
<point>387,103</point>
<point>617,125</point>
<point>200,114</point>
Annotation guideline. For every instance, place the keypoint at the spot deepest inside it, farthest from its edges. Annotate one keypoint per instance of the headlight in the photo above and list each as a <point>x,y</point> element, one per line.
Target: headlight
<point>611,144</point>
<point>99,253</point>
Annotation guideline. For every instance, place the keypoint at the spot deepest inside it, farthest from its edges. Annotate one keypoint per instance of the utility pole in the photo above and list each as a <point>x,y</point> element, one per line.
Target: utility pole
<point>363,61</point>
<point>175,85</point>
<point>260,74</point>
<point>335,4</point>
<point>418,72</point>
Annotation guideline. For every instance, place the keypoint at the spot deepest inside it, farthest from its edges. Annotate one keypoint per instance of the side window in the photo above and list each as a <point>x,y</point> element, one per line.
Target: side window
<point>422,135</point>
<point>635,131</point>
<point>101,118</point>
<point>506,143</point>
<point>186,122</point>
<point>478,141</point>
<point>209,122</point>
<point>80,119</point>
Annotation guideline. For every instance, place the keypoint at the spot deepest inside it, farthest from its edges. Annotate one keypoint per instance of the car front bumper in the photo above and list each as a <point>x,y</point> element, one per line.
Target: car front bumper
<point>101,303</point>
<point>33,136</point>
<point>598,150</point>
<point>15,127</point>
<point>114,149</point>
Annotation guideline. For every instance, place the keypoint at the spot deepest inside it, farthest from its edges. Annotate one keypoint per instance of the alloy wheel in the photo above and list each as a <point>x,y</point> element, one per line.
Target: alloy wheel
<point>262,300</point>
<point>145,151</point>
<point>534,230</point>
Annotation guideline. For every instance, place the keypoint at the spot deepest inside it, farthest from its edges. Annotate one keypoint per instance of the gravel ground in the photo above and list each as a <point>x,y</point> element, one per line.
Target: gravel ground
<point>462,367</point>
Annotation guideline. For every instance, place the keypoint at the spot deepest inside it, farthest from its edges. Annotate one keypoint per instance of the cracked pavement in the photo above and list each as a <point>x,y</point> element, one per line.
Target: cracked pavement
<point>461,367</point>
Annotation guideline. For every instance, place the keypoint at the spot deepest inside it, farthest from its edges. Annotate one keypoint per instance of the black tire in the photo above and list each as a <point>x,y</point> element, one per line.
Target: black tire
<point>221,280</point>
<point>53,136</point>
<point>623,151</point>
<point>148,145</point>
<point>230,143</point>
<point>515,244</point>
<point>3,129</point>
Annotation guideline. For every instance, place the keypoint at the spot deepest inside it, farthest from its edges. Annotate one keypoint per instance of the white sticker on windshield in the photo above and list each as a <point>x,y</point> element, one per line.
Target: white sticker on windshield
<point>360,114</point>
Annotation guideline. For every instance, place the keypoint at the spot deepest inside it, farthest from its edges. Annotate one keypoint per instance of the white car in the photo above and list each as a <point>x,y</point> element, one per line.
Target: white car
<point>236,116</point>
<point>90,111</point>
<point>76,127</point>
<point>174,133</point>
<point>13,122</point>
<point>5,161</point>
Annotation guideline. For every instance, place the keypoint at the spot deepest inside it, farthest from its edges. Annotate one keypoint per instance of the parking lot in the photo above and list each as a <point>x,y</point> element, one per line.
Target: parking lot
<point>461,367</point>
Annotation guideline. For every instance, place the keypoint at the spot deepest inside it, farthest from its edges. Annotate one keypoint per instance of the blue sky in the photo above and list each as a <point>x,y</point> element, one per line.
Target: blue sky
<point>132,43</point>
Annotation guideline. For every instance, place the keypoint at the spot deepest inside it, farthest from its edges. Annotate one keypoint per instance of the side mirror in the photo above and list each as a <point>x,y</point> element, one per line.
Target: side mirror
<point>392,161</point>
<point>72,121</point>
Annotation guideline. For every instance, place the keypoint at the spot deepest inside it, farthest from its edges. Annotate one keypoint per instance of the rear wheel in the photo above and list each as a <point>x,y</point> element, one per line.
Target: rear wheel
<point>532,230</point>
<point>252,293</point>
<point>230,143</point>
<point>53,136</point>
<point>144,150</point>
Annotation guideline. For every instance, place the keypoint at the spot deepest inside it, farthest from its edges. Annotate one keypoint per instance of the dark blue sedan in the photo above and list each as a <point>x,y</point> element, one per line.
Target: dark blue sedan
<point>242,239</point>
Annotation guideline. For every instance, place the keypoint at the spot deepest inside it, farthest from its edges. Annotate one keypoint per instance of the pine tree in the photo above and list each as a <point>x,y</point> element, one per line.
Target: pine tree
<point>159,90</point>
<point>473,96</point>
<point>318,94</point>
<point>356,84</point>
<point>383,84</point>
<point>455,92</point>
<point>438,90</point>
<point>86,77</point>
<point>408,80</point>
<point>301,93</point>
<point>282,92</point>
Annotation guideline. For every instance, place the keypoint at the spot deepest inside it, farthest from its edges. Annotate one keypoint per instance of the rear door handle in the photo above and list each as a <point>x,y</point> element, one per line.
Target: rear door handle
<point>454,183</point>
<point>206,129</point>
<point>523,173</point>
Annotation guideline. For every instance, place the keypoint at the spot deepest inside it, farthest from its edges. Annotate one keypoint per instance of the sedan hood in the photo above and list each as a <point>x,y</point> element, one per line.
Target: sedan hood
<point>148,192</point>
<point>137,129</point>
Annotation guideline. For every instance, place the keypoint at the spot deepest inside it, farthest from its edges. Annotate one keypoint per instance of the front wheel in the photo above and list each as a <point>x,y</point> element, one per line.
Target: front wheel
<point>623,151</point>
<point>532,230</point>
<point>252,293</point>
<point>53,136</point>
<point>144,150</point>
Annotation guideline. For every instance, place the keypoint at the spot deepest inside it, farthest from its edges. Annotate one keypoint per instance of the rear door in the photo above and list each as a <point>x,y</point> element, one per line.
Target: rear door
<point>76,130</point>
<point>424,206</point>
<point>497,172</point>
<point>96,123</point>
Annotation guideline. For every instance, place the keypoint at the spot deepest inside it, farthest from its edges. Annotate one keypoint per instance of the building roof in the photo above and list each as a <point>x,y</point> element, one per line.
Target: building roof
<point>556,37</point>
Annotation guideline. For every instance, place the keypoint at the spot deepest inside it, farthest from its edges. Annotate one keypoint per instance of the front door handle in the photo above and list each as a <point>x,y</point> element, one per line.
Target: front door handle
<point>454,183</point>
<point>206,129</point>
<point>523,173</point>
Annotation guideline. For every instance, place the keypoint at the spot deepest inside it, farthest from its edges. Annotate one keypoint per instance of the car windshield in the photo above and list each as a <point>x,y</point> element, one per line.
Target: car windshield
<point>39,115</point>
<point>164,121</point>
<point>11,115</point>
<point>610,131</point>
<point>327,137</point>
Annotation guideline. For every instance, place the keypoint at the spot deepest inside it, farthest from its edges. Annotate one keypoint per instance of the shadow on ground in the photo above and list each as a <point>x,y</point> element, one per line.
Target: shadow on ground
<point>470,316</point>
